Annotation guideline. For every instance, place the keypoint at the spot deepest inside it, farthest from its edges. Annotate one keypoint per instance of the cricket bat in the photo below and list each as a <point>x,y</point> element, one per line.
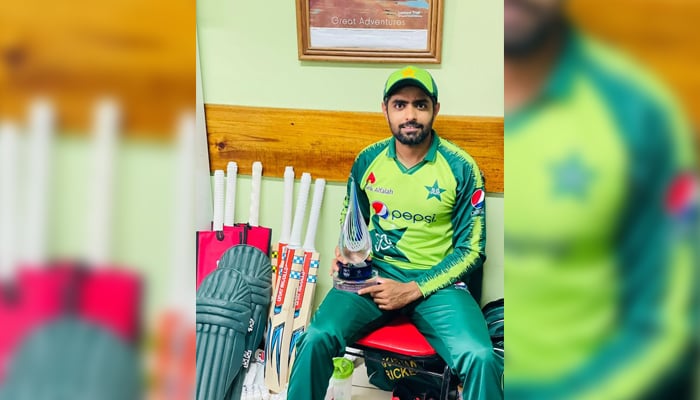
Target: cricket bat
<point>279,329</point>
<point>307,285</point>
<point>285,230</point>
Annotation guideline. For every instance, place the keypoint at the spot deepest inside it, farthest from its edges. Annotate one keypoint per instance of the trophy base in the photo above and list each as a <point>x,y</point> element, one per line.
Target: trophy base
<point>354,285</point>
<point>355,272</point>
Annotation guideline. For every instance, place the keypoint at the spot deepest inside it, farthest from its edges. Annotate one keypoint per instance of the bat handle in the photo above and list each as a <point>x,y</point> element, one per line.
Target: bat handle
<point>9,143</point>
<point>105,141</point>
<point>319,188</point>
<point>288,195</point>
<point>254,214</point>
<point>218,220</point>
<point>302,198</point>
<point>231,172</point>
<point>40,135</point>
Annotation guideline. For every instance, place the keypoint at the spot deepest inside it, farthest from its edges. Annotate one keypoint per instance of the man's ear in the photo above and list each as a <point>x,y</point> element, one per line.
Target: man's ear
<point>436,109</point>
<point>384,109</point>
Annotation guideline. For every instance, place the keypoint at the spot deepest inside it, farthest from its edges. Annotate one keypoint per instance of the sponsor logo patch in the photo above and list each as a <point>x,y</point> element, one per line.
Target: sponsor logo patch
<point>371,178</point>
<point>682,197</point>
<point>369,185</point>
<point>383,211</point>
<point>380,209</point>
<point>478,198</point>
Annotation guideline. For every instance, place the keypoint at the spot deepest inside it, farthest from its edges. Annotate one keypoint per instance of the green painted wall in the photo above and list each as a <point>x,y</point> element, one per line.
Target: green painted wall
<point>248,53</point>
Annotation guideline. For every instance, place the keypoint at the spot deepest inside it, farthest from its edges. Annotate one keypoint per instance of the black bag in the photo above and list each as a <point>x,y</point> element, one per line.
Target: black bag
<point>493,314</point>
<point>387,370</point>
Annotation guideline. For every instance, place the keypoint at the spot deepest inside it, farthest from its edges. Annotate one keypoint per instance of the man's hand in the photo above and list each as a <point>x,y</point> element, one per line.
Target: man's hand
<point>392,295</point>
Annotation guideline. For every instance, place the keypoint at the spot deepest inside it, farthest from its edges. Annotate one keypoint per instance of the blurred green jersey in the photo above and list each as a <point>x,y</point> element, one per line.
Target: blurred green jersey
<point>597,265</point>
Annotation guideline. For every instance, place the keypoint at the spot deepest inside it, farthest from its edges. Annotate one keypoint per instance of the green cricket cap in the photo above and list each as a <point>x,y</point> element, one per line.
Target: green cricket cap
<point>411,76</point>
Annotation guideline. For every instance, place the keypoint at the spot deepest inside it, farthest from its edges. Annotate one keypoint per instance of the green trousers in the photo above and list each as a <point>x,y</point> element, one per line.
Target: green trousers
<point>450,320</point>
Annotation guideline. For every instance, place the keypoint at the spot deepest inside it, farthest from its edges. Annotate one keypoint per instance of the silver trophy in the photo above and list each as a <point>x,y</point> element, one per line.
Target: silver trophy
<point>355,246</point>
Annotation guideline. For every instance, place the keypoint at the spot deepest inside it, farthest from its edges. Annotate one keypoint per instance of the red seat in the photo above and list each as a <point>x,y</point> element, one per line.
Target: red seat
<point>399,336</point>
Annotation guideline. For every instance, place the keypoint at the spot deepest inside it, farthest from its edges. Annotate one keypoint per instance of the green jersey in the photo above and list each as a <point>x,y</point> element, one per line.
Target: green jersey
<point>597,264</point>
<point>428,220</point>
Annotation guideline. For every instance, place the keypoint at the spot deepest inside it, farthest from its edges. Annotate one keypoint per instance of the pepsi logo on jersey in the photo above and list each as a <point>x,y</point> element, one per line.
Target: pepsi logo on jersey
<point>383,212</point>
<point>478,198</point>
<point>682,197</point>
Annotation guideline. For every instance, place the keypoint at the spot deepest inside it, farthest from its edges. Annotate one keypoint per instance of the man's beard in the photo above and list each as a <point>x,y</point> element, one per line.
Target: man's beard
<point>414,139</point>
<point>523,44</point>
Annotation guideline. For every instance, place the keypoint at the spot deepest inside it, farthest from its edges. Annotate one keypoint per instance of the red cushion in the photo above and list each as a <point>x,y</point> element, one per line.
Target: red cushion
<point>399,336</point>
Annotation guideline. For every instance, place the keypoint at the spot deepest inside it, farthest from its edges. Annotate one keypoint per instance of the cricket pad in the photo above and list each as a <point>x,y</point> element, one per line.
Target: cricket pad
<point>255,267</point>
<point>223,317</point>
<point>70,358</point>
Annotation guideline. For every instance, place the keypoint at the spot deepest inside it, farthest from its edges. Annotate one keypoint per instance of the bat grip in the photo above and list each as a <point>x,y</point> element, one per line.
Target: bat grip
<point>9,137</point>
<point>37,195</point>
<point>302,198</point>
<point>105,141</point>
<point>218,220</point>
<point>319,187</point>
<point>288,195</point>
<point>229,211</point>
<point>254,214</point>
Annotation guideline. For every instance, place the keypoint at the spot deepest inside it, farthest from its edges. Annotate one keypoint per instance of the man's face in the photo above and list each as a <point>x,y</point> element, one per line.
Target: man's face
<point>528,23</point>
<point>410,113</point>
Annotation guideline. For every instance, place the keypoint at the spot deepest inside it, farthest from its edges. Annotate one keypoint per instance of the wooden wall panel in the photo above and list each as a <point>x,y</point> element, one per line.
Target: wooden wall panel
<point>141,53</point>
<point>663,34</point>
<point>325,143</point>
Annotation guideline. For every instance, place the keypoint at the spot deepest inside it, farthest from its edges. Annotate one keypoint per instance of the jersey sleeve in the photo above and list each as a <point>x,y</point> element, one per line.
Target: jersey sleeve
<point>469,234</point>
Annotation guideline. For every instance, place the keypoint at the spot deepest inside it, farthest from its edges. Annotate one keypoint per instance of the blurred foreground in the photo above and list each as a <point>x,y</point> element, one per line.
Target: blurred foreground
<point>601,227</point>
<point>97,200</point>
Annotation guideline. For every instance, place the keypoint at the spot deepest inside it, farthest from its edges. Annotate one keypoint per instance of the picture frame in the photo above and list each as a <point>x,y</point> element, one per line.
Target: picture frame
<point>388,31</point>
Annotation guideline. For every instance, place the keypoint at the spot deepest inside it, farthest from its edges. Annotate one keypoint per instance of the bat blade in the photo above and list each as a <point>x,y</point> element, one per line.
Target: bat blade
<point>281,313</point>
<point>304,301</point>
<point>307,286</point>
<point>280,324</point>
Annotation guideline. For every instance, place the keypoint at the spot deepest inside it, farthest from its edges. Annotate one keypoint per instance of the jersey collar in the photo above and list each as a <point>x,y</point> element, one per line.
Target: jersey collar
<point>429,156</point>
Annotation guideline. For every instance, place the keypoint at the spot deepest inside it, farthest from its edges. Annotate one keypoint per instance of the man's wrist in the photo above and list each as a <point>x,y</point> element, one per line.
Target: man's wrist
<point>416,293</point>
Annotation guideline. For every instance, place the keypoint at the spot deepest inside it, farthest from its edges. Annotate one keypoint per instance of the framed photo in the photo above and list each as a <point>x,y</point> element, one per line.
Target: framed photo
<point>370,30</point>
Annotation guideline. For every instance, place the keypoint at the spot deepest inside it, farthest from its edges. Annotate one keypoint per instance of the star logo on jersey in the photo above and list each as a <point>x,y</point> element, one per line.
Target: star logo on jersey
<point>435,191</point>
<point>572,177</point>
